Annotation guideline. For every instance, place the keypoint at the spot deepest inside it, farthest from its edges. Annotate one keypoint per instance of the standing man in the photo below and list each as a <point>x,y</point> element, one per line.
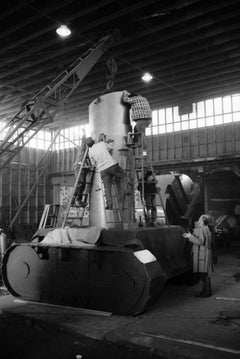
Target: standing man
<point>202,254</point>
<point>100,155</point>
<point>140,112</point>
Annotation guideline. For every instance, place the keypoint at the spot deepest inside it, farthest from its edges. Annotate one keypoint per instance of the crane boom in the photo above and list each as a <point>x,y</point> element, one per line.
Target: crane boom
<point>42,107</point>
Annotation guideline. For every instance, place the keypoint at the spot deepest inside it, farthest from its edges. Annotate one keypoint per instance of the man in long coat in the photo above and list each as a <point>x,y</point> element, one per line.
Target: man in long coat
<point>202,254</point>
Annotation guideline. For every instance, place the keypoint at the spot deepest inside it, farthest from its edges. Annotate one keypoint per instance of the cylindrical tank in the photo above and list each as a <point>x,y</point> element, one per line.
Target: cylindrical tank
<point>109,116</point>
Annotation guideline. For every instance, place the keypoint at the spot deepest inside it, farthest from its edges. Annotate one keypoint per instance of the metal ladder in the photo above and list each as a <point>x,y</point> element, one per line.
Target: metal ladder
<point>85,193</point>
<point>50,216</point>
<point>138,153</point>
<point>113,216</point>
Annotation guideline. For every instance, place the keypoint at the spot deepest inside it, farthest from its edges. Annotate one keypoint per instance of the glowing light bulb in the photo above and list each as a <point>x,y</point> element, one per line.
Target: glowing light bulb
<point>147,77</point>
<point>63,31</point>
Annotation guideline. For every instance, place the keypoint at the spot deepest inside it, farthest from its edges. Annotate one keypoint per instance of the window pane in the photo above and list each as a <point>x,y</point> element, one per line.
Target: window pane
<point>169,115</point>
<point>177,126</point>
<point>176,116</point>
<point>41,144</point>
<point>201,122</point>
<point>64,132</point>
<point>185,125</point>
<point>162,129</point>
<point>218,120</point>
<point>210,121</point>
<point>209,107</point>
<point>154,118</point>
<point>236,116</point>
<point>71,133</point>
<point>161,114</point>
<point>169,127</point>
<point>200,109</point>
<point>48,136</point>
<point>40,134</point>
<point>236,102</point>
<point>193,124</point>
<point>155,130</point>
<point>227,118</point>
<point>32,143</point>
<point>227,104</point>
<point>218,106</point>
<point>184,117</point>
<point>193,114</point>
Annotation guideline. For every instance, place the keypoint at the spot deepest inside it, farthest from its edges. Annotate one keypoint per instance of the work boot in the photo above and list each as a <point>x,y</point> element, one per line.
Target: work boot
<point>206,289</point>
<point>201,293</point>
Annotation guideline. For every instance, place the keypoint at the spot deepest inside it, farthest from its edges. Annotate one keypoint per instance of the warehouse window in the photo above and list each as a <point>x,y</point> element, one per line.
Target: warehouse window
<point>70,137</point>
<point>211,112</point>
<point>40,141</point>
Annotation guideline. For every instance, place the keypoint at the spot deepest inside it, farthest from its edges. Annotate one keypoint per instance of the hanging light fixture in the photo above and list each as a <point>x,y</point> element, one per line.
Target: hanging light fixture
<point>63,31</point>
<point>147,77</point>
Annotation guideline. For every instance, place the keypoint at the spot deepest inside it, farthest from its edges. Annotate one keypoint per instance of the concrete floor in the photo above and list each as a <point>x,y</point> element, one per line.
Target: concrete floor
<point>179,325</point>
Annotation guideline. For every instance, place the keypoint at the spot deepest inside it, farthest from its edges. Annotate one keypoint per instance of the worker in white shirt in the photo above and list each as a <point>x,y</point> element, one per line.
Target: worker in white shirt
<point>100,155</point>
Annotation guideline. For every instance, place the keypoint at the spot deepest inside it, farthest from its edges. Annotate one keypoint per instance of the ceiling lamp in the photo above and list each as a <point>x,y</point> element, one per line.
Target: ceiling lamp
<point>63,31</point>
<point>147,77</point>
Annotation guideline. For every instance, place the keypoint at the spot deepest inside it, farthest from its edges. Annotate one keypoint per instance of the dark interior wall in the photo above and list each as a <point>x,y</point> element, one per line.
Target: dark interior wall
<point>223,192</point>
<point>16,183</point>
<point>196,144</point>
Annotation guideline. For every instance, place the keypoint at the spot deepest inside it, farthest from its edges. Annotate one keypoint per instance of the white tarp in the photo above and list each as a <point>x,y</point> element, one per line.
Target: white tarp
<point>73,236</point>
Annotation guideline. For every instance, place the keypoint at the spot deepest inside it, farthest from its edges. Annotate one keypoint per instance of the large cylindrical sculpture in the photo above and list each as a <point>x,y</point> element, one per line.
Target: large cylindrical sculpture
<point>109,117</point>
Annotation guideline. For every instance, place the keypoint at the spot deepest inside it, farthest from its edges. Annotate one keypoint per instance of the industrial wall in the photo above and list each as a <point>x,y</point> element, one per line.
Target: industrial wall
<point>22,180</point>
<point>196,144</point>
<point>62,174</point>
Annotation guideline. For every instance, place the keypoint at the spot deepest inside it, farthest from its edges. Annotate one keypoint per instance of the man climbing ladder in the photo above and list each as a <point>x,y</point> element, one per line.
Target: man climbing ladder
<point>82,184</point>
<point>147,182</point>
<point>100,155</point>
